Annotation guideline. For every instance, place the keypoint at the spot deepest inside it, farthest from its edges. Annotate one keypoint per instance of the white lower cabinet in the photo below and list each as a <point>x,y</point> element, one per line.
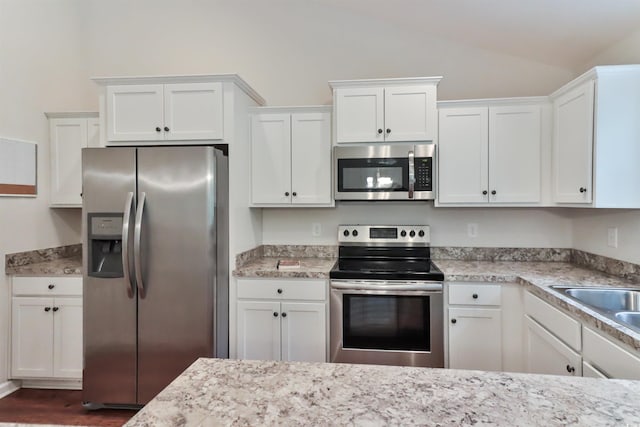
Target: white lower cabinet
<point>607,358</point>
<point>282,320</point>
<point>546,354</point>
<point>475,339</point>
<point>46,328</point>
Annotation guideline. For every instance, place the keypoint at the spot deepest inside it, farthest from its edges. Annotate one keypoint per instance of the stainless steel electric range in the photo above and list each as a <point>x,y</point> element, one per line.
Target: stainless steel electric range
<point>386,297</point>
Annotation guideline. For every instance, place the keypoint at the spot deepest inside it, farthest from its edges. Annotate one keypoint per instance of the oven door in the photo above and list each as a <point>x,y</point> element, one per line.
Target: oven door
<point>387,323</point>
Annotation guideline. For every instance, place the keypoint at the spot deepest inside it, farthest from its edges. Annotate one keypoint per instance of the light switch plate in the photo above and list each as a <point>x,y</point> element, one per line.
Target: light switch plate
<point>472,230</point>
<point>612,237</point>
<point>316,229</point>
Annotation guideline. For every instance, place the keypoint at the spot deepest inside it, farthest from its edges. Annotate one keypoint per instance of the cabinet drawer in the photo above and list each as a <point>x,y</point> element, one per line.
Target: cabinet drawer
<point>560,324</point>
<point>610,358</point>
<point>57,285</point>
<point>283,289</point>
<point>475,294</point>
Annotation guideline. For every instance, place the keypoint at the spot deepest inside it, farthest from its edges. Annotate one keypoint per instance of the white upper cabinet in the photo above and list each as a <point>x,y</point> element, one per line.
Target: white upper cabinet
<point>389,110</point>
<point>595,139</point>
<point>291,156</point>
<point>69,133</point>
<point>152,112</point>
<point>490,152</point>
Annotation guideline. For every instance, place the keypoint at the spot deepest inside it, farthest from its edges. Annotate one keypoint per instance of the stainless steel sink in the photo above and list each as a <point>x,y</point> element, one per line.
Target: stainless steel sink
<point>607,299</point>
<point>631,318</point>
<point>618,304</point>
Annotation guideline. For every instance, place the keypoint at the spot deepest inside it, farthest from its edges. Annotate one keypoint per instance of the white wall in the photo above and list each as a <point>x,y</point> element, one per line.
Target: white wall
<point>41,63</point>
<point>590,226</point>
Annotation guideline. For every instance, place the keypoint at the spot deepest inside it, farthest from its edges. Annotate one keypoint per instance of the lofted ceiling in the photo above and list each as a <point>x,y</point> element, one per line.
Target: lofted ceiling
<point>562,33</point>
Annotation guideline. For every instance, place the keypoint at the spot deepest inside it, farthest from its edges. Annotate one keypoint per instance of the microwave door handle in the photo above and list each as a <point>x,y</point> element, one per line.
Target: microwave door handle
<point>412,174</point>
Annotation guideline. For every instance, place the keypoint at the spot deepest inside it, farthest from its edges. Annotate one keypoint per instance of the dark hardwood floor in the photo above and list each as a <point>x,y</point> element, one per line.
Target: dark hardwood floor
<point>57,407</point>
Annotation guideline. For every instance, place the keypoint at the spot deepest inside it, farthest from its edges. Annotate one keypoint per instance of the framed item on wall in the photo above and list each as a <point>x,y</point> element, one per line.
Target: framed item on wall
<point>18,166</point>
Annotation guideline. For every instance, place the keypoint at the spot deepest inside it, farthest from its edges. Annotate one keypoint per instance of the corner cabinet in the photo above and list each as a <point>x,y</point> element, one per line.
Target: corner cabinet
<point>595,139</point>
<point>69,133</point>
<point>282,319</point>
<point>46,331</point>
<point>385,110</point>
<point>490,151</point>
<point>291,156</point>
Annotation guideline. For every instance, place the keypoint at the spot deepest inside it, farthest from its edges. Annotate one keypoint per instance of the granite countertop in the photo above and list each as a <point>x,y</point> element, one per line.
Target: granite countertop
<point>317,268</point>
<point>245,393</point>
<point>56,267</point>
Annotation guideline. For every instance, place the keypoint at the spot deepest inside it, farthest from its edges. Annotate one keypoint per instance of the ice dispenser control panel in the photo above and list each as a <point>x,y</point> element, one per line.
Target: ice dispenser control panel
<point>105,245</point>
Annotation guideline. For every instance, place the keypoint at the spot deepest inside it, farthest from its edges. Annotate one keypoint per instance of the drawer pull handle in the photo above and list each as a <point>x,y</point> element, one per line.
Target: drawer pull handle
<point>570,369</point>
<point>475,296</point>
<point>47,309</point>
<point>51,286</point>
<point>279,291</point>
<point>453,321</point>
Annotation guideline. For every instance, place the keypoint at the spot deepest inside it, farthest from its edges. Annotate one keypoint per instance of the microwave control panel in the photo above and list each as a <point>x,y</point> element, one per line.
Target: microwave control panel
<point>423,171</point>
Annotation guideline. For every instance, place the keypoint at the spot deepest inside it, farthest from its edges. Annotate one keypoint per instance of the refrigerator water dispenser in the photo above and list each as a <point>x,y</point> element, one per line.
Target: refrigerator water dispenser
<point>105,245</point>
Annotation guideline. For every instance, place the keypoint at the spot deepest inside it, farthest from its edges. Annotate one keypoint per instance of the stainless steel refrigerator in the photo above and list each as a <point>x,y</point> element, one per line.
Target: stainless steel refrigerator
<point>155,283</point>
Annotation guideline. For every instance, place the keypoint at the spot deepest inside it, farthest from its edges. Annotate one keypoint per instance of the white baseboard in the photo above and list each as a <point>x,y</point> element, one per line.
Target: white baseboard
<point>8,387</point>
<point>53,384</point>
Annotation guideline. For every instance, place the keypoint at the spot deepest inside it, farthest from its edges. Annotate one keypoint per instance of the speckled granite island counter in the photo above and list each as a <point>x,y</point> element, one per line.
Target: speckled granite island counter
<point>216,392</point>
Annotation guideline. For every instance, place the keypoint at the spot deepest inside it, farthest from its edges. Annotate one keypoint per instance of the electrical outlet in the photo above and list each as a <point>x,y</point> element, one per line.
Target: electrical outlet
<point>612,237</point>
<point>472,230</point>
<point>316,229</point>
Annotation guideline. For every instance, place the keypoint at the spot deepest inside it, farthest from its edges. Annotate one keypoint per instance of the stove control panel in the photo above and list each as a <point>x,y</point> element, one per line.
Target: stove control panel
<point>371,234</point>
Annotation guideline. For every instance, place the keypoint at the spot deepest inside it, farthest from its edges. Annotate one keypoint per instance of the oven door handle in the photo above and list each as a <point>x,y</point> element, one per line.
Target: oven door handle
<point>386,286</point>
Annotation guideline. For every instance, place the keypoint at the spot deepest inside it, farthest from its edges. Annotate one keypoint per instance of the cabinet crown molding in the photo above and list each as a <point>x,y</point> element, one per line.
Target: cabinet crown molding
<point>292,109</point>
<point>385,82</point>
<point>194,78</point>
<point>71,114</point>
<point>594,73</point>
<point>494,102</point>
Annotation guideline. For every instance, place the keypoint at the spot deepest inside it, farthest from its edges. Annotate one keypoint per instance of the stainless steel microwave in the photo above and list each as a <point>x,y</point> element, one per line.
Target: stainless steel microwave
<point>384,172</point>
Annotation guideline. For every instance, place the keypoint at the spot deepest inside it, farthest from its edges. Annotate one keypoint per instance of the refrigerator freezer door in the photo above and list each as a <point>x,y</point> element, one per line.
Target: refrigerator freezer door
<point>177,254</point>
<point>109,377</point>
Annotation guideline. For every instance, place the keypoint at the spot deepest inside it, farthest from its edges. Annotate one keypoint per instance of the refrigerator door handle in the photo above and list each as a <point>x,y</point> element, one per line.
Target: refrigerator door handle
<point>137,239</point>
<point>126,268</point>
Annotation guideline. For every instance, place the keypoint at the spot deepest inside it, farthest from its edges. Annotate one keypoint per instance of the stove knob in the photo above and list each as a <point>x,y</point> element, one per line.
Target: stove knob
<point>421,233</point>
<point>403,233</point>
<point>346,233</point>
<point>412,233</point>
<point>355,233</point>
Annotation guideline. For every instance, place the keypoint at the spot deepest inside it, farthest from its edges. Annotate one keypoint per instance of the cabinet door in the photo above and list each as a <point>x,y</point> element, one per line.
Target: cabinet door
<point>359,115</point>
<point>463,155</point>
<point>193,111</point>
<point>67,337</point>
<point>573,145</point>
<point>68,138</point>
<point>304,332</point>
<point>514,154</point>
<point>546,354</point>
<point>93,133</point>
<point>135,113</point>
<point>311,158</point>
<point>410,113</point>
<point>258,330</point>
<point>32,337</point>
<point>271,158</point>
<point>592,372</point>
<point>475,338</point>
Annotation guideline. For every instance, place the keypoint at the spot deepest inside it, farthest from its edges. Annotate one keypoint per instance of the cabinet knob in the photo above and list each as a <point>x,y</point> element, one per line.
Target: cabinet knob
<point>56,308</point>
<point>453,320</point>
<point>493,192</point>
<point>275,314</point>
<point>485,192</point>
<point>284,314</point>
<point>379,130</point>
<point>583,190</point>
<point>388,131</point>
<point>286,193</point>
<point>158,129</point>
<point>51,286</point>
<point>475,296</point>
<point>279,291</point>
<point>294,194</point>
<point>166,129</point>
<point>47,309</point>
<point>570,369</point>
